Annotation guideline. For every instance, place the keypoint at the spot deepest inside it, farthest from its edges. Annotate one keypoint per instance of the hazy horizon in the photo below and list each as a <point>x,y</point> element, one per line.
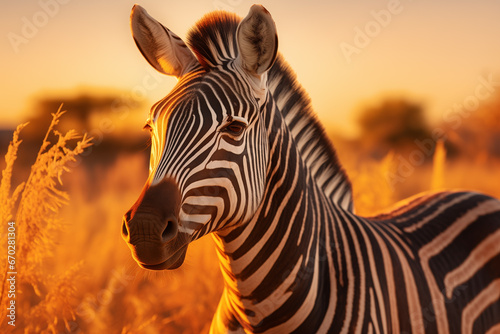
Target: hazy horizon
<point>345,54</point>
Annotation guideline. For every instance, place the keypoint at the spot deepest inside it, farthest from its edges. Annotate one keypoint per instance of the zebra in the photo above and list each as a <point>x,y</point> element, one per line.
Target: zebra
<point>238,153</point>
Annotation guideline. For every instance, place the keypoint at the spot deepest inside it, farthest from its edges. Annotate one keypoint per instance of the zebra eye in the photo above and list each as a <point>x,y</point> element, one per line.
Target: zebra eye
<point>147,127</point>
<point>235,128</point>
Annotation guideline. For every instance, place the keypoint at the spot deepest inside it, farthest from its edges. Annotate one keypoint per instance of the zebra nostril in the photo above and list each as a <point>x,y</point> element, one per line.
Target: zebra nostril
<point>124,229</point>
<point>170,231</point>
<point>126,218</point>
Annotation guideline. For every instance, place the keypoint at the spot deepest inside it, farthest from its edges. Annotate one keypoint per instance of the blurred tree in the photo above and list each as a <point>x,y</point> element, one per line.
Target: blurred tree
<point>477,133</point>
<point>391,125</point>
<point>106,117</point>
<point>82,110</point>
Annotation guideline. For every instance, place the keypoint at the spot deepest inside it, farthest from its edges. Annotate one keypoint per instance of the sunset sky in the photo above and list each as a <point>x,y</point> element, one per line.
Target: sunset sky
<point>430,51</point>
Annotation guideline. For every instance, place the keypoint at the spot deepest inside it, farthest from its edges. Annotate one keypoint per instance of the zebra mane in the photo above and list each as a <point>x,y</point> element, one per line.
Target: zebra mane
<point>213,40</point>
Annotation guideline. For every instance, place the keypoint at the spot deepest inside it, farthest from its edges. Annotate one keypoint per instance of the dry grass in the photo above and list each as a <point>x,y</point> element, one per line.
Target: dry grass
<point>438,166</point>
<point>43,299</point>
<point>371,190</point>
<point>78,276</point>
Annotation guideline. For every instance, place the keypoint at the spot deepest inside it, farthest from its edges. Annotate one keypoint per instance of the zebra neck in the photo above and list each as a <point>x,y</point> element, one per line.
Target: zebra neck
<point>281,257</point>
<point>314,146</point>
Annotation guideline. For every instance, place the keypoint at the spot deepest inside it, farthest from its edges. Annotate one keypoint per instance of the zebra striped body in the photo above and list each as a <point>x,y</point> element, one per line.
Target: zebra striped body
<point>238,153</point>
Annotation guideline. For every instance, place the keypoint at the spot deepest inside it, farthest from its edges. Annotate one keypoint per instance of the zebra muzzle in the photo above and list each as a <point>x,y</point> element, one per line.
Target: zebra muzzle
<point>151,226</point>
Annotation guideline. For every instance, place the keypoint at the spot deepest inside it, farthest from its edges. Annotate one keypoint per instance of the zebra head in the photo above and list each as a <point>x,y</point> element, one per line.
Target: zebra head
<point>209,150</point>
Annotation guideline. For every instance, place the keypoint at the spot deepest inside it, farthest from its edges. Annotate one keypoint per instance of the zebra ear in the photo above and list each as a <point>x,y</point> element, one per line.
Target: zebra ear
<point>257,41</point>
<point>163,49</point>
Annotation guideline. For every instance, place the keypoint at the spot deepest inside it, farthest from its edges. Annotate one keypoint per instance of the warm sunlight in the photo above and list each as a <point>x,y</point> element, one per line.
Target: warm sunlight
<point>343,53</point>
<point>408,93</point>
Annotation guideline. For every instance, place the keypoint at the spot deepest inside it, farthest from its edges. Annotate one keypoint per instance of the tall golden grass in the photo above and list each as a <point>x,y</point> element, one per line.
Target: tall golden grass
<point>438,164</point>
<point>43,299</point>
<point>75,273</point>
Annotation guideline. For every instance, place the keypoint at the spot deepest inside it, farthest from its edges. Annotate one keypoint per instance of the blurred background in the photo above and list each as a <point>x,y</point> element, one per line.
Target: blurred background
<point>408,91</point>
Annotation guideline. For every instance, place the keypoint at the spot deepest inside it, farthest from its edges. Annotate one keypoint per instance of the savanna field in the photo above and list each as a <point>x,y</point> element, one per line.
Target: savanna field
<point>412,106</point>
<point>75,273</point>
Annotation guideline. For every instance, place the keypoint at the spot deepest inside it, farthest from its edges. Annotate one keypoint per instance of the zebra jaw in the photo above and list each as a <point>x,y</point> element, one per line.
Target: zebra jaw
<point>173,262</point>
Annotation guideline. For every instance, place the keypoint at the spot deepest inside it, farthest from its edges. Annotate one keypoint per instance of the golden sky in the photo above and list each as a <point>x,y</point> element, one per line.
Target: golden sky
<point>345,53</point>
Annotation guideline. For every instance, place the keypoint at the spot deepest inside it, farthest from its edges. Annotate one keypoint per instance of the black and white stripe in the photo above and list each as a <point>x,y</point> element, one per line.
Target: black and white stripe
<point>294,255</point>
